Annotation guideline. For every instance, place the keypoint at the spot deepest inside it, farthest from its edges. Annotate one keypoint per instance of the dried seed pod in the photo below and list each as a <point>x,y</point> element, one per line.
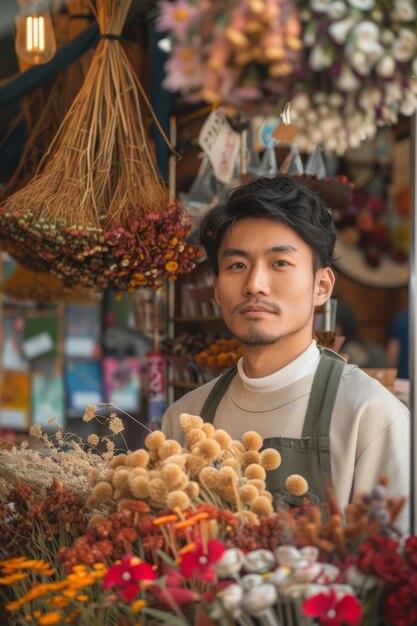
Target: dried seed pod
<point>192,490</point>
<point>252,440</point>
<point>231,462</point>
<point>247,517</point>
<point>108,476</point>
<point>262,506</point>
<point>177,499</point>
<point>158,490</point>
<point>118,459</point>
<point>223,438</point>
<point>101,493</point>
<point>259,484</point>
<point>154,473</point>
<point>139,487</point>
<point>208,477</point>
<point>178,459</point>
<point>249,457</point>
<point>168,448</point>
<point>248,493</point>
<point>210,449</point>
<point>121,479</point>
<point>188,421</point>
<point>137,458</point>
<point>154,439</point>
<point>194,436</point>
<point>93,477</point>
<point>267,494</point>
<point>171,474</point>
<point>255,471</point>
<point>270,459</point>
<point>208,429</point>
<point>296,485</point>
<point>195,464</point>
<point>138,471</point>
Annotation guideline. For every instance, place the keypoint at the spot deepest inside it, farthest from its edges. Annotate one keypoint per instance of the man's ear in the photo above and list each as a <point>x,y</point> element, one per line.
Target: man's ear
<point>323,285</point>
<point>215,280</point>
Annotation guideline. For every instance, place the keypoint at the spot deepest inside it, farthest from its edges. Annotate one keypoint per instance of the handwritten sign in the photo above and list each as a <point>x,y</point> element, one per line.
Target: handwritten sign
<point>221,144</point>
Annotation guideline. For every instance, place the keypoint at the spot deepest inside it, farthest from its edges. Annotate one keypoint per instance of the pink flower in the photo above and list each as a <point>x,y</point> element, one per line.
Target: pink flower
<point>183,69</point>
<point>176,16</point>
<point>199,562</point>
<point>333,612</point>
<point>126,575</point>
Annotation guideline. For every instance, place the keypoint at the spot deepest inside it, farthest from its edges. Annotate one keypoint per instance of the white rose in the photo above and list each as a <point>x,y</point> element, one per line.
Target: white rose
<point>363,5</point>
<point>385,67</point>
<point>340,30</point>
<point>336,10</point>
<point>404,11</point>
<point>347,81</point>
<point>319,58</point>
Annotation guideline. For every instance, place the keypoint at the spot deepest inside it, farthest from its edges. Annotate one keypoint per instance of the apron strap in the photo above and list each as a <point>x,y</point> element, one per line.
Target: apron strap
<point>323,394</point>
<point>209,408</point>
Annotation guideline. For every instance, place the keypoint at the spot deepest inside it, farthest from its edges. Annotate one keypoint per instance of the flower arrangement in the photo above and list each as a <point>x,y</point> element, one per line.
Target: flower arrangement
<point>243,53</point>
<point>187,535</point>
<point>347,65</point>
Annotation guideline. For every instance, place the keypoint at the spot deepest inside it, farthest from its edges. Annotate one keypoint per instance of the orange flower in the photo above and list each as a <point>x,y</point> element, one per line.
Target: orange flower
<point>12,578</point>
<point>48,619</point>
<point>171,266</point>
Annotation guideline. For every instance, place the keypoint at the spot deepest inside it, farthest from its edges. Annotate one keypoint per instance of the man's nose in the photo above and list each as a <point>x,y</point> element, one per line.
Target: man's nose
<point>257,282</point>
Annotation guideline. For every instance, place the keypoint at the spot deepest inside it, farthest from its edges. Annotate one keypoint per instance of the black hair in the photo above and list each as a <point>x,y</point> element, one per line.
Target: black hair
<point>281,199</point>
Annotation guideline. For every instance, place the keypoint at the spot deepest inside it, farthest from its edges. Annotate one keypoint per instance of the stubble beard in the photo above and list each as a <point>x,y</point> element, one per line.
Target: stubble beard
<point>256,337</point>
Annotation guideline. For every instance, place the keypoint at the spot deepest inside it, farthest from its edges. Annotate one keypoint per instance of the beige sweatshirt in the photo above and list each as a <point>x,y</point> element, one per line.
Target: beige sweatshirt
<point>369,433</point>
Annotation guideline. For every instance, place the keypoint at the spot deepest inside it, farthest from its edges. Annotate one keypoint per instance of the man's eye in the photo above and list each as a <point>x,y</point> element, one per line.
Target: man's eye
<point>237,266</point>
<point>281,263</point>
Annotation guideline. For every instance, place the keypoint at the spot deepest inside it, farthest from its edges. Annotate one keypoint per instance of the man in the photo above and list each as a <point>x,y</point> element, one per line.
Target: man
<point>271,246</point>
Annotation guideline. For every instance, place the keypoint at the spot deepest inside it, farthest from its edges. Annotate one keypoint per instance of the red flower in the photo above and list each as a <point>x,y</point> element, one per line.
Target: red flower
<point>333,612</point>
<point>173,593</point>
<point>199,562</point>
<point>126,575</point>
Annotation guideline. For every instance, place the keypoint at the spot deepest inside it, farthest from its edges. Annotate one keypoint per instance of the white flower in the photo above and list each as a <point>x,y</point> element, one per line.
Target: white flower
<point>363,5</point>
<point>365,34</point>
<point>336,10</point>
<point>347,81</point>
<point>231,600</point>
<point>308,573</point>
<point>386,37</point>
<point>287,555</point>
<point>385,67</point>
<point>251,580</point>
<point>259,561</point>
<point>340,30</point>
<point>360,581</point>
<point>404,11</point>
<point>409,103</point>
<point>405,46</point>
<point>319,6</point>
<point>320,58</point>
<point>361,62</point>
<point>414,67</point>
<point>301,102</point>
<point>335,100</point>
<point>393,92</point>
<point>259,599</point>
<point>230,563</point>
<point>370,98</point>
<point>282,573</point>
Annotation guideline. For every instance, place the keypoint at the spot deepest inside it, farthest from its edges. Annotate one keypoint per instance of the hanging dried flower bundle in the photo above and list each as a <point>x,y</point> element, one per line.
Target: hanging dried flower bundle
<point>98,214</point>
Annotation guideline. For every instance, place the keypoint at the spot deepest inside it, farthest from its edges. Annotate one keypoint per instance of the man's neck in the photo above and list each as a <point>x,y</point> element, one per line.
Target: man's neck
<point>261,361</point>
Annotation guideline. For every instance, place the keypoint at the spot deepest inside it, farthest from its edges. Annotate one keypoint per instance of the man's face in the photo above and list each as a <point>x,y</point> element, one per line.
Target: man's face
<point>266,288</point>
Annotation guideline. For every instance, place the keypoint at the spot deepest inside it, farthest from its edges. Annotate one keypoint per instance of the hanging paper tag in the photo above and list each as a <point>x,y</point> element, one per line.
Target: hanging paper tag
<point>221,144</point>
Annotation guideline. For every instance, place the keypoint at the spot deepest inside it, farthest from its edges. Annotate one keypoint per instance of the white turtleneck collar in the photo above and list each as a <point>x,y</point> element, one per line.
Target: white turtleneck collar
<point>302,366</point>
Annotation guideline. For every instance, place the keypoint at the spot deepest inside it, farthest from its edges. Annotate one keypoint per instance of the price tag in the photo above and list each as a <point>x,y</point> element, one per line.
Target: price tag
<point>221,144</point>
<point>37,345</point>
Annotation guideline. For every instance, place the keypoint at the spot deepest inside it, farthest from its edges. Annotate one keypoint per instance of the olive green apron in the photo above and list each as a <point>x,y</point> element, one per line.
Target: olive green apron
<point>310,455</point>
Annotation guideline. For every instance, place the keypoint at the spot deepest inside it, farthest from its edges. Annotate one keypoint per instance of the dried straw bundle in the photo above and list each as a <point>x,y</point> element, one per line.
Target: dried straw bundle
<point>98,213</point>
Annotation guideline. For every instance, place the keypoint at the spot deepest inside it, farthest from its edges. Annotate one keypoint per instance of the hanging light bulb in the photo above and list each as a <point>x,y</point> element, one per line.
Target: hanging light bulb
<point>35,37</point>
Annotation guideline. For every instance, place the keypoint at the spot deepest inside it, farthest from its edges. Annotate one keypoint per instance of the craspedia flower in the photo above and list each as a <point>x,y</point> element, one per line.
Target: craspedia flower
<point>209,448</point>
<point>119,459</point>
<point>262,506</point>
<point>267,494</point>
<point>194,436</point>
<point>171,474</point>
<point>139,487</point>
<point>115,424</point>
<point>101,493</point>
<point>183,482</point>
<point>248,517</point>
<point>89,413</point>
<point>296,485</point>
<point>248,493</point>
<point>255,471</point>
<point>158,490</point>
<point>250,457</point>
<point>137,458</point>
<point>252,440</point>
<point>195,464</point>
<point>208,477</point>
<point>177,499</point>
<point>121,478</point>
<point>188,421</point>
<point>93,477</point>
<point>93,439</point>
<point>233,463</point>
<point>138,471</point>
<point>178,459</point>
<point>259,484</point>
<point>223,438</point>
<point>270,459</point>
<point>208,429</point>
<point>192,490</point>
<point>154,440</point>
<point>168,448</point>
